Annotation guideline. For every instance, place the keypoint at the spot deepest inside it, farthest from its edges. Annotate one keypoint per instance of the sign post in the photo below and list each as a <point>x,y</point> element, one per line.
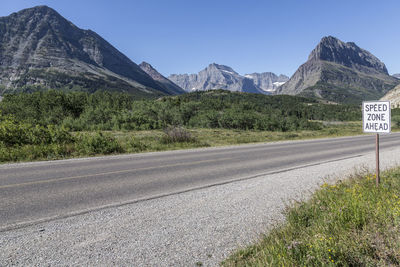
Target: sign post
<point>378,178</point>
<point>376,119</point>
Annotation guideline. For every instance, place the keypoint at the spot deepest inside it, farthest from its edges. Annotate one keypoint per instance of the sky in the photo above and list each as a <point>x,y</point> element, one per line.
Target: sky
<point>185,36</point>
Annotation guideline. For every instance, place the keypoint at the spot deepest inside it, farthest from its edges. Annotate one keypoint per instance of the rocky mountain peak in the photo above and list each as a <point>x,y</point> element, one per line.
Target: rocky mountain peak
<point>38,15</point>
<point>150,70</point>
<point>40,47</point>
<point>340,72</point>
<point>171,87</point>
<point>218,67</point>
<point>38,11</point>
<point>347,54</point>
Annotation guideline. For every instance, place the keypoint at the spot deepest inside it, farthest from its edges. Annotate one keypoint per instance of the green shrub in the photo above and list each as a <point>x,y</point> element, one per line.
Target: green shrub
<point>13,133</point>
<point>396,120</point>
<point>216,109</point>
<point>98,143</point>
<point>135,145</point>
<point>35,152</point>
<point>60,135</point>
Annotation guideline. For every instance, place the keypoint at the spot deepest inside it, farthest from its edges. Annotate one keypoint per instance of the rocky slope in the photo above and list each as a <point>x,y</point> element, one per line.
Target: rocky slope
<point>340,72</point>
<point>397,75</point>
<point>267,81</point>
<point>153,73</point>
<point>393,96</point>
<point>38,47</point>
<point>216,76</point>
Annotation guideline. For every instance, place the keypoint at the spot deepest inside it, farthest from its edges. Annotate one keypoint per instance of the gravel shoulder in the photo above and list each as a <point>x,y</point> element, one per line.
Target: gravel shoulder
<point>204,225</point>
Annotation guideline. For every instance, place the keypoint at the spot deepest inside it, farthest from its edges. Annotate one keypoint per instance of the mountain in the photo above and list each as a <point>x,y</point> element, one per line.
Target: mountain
<point>267,81</point>
<point>215,76</point>
<point>172,88</point>
<point>393,96</point>
<point>340,72</point>
<point>40,48</point>
<point>397,75</point>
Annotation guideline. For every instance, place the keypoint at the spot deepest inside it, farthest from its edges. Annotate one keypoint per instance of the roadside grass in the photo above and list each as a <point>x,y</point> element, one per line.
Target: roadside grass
<point>350,223</point>
<point>150,140</point>
<point>117,142</point>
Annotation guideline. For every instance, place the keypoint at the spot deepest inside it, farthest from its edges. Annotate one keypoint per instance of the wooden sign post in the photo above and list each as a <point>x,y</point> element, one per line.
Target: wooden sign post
<point>376,119</point>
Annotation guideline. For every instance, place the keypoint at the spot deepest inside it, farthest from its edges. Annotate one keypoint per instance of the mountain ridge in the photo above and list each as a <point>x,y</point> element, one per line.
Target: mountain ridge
<point>217,76</point>
<point>39,47</point>
<point>158,77</point>
<point>340,72</point>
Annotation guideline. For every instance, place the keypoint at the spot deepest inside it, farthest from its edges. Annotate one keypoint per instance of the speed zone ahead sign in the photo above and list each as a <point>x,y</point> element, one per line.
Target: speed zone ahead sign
<point>376,117</point>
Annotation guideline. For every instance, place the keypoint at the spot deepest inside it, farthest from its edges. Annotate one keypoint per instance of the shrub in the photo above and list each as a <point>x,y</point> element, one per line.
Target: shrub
<point>177,135</point>
<point>13,133</point>
<point>135,145</point>
<point>98,143</point>
<point>34,152</point>
<point>59,135</point>
<point>396,120</point>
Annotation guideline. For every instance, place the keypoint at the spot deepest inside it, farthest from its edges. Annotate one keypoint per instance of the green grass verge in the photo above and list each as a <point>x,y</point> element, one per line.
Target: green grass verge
<point>351,223</point>
<point>118,142</point>
<point>140,141</point>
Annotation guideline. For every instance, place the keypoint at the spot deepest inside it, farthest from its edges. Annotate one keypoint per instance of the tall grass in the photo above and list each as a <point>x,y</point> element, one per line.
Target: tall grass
<point>351,223</point>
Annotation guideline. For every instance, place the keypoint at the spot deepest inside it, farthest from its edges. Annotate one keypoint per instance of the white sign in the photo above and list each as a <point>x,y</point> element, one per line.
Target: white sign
<point>376,117</point>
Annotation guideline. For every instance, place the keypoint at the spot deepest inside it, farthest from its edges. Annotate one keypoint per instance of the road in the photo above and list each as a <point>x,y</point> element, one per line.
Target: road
<point>42,191</point>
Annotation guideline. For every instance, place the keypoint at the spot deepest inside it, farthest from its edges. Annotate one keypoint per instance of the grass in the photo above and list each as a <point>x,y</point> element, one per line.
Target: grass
<point>117,142</point>
<point>150,140</point>
<point>351,223</point>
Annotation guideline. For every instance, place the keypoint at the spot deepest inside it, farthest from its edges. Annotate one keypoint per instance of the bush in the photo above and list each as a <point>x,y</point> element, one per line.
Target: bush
<point>98,143</point>
<point>216,109</point>
<point>23,141</point>
<point>177,135</point>
<point>13,133</point>
<point>135,145</point>
<point>396,120</point>
<point>34,152</point>
<point>59,135</point>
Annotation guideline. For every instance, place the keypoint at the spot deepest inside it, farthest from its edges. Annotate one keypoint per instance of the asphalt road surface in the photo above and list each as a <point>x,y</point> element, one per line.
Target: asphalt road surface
<point>42,191</point>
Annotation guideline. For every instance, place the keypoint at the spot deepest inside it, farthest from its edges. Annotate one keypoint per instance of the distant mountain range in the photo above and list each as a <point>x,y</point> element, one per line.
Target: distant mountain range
<point>340,72</point>
<point>40,48</point>
<point>217,76</point>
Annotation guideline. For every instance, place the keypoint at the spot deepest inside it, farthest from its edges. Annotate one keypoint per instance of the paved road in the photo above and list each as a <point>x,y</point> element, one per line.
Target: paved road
<point>43,191</point>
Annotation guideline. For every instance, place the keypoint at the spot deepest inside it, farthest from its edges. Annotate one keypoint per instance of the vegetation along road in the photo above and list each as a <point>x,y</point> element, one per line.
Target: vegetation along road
<point>40,191</point>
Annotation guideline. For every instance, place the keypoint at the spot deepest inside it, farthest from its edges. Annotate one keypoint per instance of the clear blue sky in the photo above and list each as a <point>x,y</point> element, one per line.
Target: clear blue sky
<point>184,36</point>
